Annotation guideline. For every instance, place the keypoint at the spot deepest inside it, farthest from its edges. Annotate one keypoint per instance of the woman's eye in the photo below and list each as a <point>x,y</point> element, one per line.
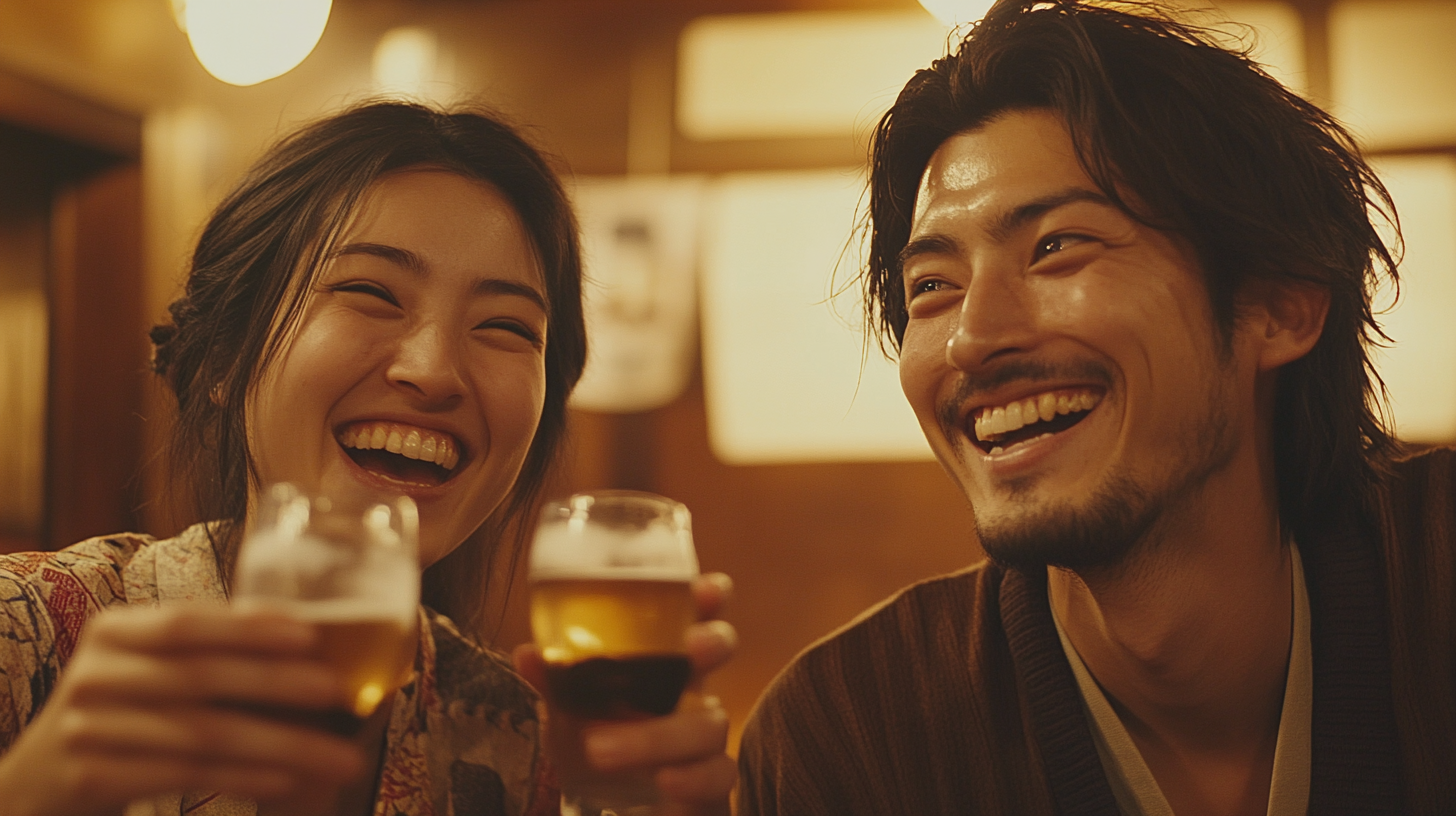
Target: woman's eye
<point>364,288</point>
<point>1057,243</point>
<point>519,329</point>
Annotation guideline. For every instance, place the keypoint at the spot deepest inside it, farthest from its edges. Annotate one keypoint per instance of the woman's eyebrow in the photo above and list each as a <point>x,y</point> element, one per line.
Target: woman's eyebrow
<point>395,255</point>
<point>496,286</point>
<point>414,263</point>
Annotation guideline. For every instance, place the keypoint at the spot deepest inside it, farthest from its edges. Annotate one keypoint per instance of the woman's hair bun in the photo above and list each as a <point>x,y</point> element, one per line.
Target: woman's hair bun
<point>162,335</point>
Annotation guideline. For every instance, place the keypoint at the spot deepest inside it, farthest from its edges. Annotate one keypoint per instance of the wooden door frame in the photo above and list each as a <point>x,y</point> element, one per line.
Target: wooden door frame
<point>98,353</point>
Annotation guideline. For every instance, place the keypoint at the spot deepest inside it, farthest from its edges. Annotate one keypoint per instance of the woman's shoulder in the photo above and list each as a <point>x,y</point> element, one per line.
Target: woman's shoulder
<point>477,680</point>
<point>93,568</point>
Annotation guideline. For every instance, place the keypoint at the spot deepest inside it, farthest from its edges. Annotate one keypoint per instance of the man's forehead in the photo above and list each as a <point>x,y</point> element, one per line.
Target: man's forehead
<point>1017,152</point>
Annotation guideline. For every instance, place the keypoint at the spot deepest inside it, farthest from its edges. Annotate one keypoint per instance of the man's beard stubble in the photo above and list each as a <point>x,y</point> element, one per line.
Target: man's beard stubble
<point>1120,516</point>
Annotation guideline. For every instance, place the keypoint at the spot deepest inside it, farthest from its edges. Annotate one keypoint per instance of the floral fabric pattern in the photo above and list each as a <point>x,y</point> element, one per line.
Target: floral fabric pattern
<point>464,735</point>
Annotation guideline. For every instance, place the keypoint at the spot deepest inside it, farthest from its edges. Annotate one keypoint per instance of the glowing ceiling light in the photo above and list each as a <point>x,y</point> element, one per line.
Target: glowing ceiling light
<point>957,12</point>
<point>244,42</point>
<point>405,60</point>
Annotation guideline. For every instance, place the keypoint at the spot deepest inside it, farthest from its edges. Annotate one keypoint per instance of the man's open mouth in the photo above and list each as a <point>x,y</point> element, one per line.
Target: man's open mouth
<point>404,453</point>
<point>999,428</point>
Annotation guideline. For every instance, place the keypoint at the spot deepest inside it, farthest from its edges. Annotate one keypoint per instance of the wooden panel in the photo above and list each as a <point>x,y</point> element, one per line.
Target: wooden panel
<point>47,110</point>
<point>98,356</point>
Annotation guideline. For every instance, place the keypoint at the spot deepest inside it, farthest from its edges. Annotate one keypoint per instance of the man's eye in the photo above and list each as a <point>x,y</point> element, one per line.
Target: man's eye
<point>1057,243</point>
<point>925,286</point>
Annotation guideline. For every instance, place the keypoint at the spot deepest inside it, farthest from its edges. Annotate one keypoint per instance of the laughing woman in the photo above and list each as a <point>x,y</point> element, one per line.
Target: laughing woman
<point>388,270</point>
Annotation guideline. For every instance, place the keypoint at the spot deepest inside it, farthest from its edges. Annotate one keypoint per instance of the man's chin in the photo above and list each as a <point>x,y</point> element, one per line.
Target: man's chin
<point>1094,534</point>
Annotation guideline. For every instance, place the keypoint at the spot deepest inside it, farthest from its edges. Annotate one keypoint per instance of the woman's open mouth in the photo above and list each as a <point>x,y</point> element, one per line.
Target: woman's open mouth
<point>402,453</point>
<point>999,428</point>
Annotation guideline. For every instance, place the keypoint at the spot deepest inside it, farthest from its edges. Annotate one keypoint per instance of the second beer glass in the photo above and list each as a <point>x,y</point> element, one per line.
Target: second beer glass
<point>611,601</point>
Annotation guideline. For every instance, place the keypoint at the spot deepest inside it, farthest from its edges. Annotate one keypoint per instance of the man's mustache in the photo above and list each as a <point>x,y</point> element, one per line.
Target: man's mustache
<point>948,412</point>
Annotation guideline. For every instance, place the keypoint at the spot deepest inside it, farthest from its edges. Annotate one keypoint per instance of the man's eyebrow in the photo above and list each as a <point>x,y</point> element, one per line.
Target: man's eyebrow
<point>412,262</point>
<point>1006,224</point>
<point>1013,219</point>
<point>936,244</point>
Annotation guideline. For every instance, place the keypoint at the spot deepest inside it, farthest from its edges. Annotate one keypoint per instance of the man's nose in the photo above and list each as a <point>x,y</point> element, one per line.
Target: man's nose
<point>427,365</point>
<point>995,319</point>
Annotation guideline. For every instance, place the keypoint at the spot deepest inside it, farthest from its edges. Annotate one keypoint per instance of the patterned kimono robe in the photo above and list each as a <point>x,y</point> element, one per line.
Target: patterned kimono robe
<point>464,736</point>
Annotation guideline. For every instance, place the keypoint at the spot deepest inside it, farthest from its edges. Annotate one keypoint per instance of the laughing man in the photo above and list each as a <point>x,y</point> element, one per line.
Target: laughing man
<point>1128,277</point>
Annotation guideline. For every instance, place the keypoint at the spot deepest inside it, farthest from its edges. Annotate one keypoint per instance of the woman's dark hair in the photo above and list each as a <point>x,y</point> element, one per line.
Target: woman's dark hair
<point>1262,184</point>
<point>260,251</point>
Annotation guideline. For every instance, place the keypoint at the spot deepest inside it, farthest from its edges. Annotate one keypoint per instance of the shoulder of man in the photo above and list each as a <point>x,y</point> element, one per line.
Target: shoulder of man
<point>1418,543</point>
<point>881,709</point>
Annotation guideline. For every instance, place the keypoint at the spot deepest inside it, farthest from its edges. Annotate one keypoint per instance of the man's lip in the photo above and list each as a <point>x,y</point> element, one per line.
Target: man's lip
<point>1017,393</point>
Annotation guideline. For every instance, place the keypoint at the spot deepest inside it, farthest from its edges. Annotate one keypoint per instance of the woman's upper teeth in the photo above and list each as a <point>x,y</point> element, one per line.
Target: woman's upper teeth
<point>994,421</point>
<point>406,440</point>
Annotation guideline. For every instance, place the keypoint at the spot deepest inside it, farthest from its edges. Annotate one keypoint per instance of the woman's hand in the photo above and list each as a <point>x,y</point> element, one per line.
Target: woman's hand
<point>688,748</point>
<point>157,700</point>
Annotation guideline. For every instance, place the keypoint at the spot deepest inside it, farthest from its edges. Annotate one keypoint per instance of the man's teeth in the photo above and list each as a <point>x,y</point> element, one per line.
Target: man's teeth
<point>992,422</point>
<point>405,440</point>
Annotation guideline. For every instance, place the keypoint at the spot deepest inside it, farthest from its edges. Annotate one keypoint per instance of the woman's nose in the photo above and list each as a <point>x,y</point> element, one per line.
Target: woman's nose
<point>995,319</point>
<point>427,364</point>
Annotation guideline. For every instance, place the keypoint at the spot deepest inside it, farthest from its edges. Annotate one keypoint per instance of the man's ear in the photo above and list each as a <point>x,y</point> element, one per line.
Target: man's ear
<point>1284,319</point>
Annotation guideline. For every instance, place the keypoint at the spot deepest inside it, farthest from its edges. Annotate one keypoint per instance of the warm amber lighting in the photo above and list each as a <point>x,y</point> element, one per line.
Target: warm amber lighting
<point>244,42</point>
<point>404,60</point>
<point>1393,71</point>
<point>798,75</point>
<point>957,12</point>
<point>787,372</point>
<point>1420,369</point>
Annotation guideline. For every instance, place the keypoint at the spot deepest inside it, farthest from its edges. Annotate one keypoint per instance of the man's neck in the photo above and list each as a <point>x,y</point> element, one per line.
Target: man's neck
<point>1189,640</point>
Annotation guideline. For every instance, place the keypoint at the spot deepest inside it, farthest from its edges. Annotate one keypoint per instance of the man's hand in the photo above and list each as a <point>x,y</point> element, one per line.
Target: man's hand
<point>157,700</point>
<point>688,747</point>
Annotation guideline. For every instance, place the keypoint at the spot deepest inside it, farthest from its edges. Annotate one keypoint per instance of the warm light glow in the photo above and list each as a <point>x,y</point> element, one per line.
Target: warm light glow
<point>798,75</point>
<point>1420,369</point>
<point>786,369</point>
<point>957,12</point>
<point>244,42</point>
<point>1393,71</point>
<point>404,60</point>
<point>1276,34</point>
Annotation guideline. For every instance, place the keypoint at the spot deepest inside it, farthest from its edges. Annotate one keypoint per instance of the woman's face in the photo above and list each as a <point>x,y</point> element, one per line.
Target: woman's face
<point>418,366</point>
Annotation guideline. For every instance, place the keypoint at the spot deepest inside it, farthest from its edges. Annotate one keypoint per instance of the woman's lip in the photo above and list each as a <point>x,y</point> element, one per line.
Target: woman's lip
<point>415,490</point>
<point>463,448</point>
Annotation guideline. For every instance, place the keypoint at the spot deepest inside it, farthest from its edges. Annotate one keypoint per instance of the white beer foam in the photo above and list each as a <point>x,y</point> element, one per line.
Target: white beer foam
<point>570,550</point>
<point>279,568</point>
<point>340,610</point>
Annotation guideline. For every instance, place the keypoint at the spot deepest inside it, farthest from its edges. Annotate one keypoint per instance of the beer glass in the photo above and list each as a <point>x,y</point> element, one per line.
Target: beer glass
<point>351,570</point>
<point>611,601</point>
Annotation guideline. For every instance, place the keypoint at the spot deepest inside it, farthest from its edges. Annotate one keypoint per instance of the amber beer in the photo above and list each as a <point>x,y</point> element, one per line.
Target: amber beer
<point>613,648</point>
<point>374,655</point>
<point>611,603</point>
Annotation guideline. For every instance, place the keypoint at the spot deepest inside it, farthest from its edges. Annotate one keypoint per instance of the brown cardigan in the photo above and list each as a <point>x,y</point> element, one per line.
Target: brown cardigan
<point>954,696</point>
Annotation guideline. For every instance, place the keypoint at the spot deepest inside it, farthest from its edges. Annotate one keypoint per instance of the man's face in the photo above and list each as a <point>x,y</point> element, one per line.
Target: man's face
<point>1061,357</point>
